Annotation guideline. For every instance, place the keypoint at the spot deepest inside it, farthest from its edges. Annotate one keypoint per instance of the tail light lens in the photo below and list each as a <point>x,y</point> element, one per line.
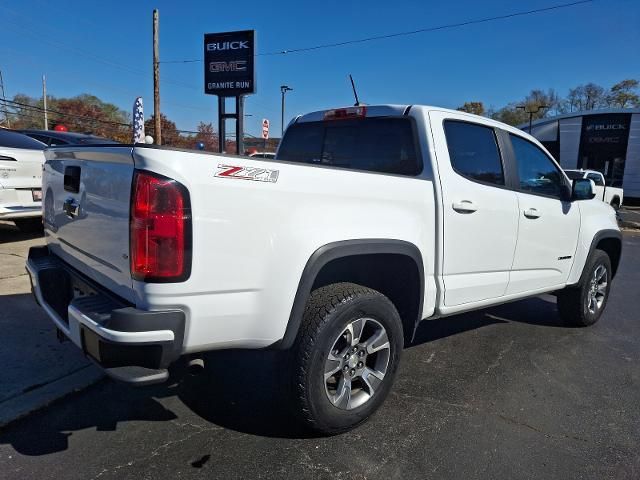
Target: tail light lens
<point>160,229</point>
<point>346,113</point>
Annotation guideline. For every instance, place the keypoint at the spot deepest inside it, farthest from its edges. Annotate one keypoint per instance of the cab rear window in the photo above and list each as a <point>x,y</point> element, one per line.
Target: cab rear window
<point>386,145</point>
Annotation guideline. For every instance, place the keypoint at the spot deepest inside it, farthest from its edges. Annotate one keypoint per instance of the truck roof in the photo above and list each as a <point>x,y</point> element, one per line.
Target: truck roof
<point>382,110</point>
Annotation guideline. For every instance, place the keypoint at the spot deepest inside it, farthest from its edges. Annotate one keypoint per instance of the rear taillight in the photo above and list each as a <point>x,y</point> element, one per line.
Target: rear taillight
<point>345,113</point>
<point>160,229</point>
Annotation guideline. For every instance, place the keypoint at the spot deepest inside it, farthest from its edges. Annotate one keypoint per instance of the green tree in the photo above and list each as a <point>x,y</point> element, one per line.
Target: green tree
<point>623,94</point>
<point>83,113</point>
<point>477,108</point>
<point>170,134</point>
<point>538,102</point>
<point>585,97</point>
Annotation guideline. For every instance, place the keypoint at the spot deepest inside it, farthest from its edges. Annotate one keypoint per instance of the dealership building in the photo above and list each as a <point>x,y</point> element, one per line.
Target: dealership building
<point>603,140</point>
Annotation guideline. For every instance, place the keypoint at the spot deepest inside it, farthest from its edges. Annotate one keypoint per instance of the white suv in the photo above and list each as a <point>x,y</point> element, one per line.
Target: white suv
<point>21,160</point>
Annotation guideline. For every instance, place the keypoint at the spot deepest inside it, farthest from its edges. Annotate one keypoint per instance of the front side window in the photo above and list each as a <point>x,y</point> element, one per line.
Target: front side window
<point>473,150</point>
<point>538,174</point>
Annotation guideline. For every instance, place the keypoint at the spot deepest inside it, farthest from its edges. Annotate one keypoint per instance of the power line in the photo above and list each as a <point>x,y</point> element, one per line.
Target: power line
<point>411,32</point>
<point>35,108</point>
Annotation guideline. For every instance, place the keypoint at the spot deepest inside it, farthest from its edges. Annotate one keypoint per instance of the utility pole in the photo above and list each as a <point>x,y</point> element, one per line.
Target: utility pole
<point>157,132</point>
<point>44,101</point>
<point>283,89</point>
<point>531,112</point>
<point>6,112</point>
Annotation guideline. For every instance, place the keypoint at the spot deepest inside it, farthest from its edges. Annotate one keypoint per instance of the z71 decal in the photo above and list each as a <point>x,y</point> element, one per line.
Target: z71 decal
<point>247,173</point>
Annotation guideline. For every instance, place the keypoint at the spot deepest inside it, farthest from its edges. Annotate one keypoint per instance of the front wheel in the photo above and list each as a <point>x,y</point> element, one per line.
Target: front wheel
<point>345,357</point>
<point>583,305</point>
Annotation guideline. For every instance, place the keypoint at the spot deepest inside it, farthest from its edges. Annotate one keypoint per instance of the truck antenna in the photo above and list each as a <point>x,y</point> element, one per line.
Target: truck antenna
<point>355,92</point>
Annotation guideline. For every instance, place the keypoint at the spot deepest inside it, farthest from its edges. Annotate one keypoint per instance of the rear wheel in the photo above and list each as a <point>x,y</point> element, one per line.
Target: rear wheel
<point>583,305</point>
<point>29,225</point>
<point>345,357</point>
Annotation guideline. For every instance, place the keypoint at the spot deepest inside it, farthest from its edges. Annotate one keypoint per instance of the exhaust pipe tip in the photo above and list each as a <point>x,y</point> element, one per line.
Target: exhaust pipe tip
<point>195,366</point>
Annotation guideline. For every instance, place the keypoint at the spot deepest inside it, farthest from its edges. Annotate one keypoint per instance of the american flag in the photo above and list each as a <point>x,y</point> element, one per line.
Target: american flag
<point>138,121</point>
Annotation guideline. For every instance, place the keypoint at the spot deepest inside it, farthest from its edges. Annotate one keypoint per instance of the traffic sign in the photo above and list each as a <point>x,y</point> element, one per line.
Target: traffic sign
<point>265,128</point>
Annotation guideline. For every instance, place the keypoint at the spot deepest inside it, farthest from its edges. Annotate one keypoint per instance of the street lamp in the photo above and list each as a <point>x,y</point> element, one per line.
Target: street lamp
<point>283,89</point>
<point>531,112</point>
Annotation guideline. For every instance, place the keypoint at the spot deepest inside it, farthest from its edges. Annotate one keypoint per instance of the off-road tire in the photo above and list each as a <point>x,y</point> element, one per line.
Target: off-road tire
<point>573,304</point>
<point>328,312</point>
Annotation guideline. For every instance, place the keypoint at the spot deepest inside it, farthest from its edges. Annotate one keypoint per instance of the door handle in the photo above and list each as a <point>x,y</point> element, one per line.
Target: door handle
<point>531,213</point>
<point>464,206</point>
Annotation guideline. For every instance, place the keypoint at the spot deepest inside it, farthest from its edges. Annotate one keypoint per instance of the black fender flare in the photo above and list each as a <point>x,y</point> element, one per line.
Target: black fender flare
<point>341,249</point>
<point>601,235</point>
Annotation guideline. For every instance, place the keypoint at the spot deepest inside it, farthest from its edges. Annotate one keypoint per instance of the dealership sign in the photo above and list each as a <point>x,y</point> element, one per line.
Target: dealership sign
<point>229,68</point>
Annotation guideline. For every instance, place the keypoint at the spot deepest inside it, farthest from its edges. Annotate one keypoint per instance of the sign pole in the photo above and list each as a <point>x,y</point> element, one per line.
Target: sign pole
<point>157,125</point>
<point>240,125</point>
<point>221,124</point>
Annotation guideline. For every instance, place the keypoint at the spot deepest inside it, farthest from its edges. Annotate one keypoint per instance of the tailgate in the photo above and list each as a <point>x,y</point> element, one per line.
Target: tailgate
<point>86,194</point>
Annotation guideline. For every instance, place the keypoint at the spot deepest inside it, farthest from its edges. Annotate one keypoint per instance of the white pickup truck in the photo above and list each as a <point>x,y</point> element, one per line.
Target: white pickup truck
<point>370,220</point>
<point>610,195</point>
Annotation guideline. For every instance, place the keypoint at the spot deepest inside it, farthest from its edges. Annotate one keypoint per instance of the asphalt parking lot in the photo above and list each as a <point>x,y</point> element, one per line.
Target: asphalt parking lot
<point>507,392</point>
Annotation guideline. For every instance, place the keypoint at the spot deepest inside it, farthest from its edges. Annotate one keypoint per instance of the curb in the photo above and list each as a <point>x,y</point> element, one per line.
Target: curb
<point>21,405</point>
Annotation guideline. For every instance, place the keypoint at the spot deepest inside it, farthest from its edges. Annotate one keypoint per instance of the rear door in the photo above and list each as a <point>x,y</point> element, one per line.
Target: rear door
<point>480,214</point>
<point>87,194</point>
<point>548,224</point>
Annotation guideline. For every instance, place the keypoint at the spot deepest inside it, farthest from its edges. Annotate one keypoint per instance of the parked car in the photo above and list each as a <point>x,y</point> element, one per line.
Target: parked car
<point>611,195</point>
<point>370,220</point>
<point>21,160</point>
<point>53,138</point>
<point>262,155</point>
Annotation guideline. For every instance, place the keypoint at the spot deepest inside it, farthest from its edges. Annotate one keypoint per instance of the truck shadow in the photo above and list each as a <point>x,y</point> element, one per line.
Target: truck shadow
<point>240,390</point>
<point>103,407</point>
<point>247,391</point>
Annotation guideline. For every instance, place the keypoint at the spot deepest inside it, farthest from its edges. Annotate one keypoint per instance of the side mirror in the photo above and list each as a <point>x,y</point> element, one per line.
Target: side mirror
<point>582,189</point>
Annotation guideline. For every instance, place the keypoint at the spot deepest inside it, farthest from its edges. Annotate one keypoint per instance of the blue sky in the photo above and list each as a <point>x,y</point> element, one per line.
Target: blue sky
<point>104,48</point>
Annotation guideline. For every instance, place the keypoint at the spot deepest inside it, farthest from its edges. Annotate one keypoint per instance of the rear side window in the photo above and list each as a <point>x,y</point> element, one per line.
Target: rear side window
<point>573,175</point>
<point>597,179</point>
<point>385,145</point>
<point>538,174</point>
<point>473,150</point>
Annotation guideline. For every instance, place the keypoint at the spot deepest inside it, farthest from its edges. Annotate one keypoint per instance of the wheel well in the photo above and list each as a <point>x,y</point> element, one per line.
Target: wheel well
<point>394,275</point>
<point>613,248</point>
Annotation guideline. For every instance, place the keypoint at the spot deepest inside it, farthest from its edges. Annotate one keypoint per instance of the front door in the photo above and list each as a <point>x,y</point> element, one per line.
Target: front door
<point>548,224</point>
